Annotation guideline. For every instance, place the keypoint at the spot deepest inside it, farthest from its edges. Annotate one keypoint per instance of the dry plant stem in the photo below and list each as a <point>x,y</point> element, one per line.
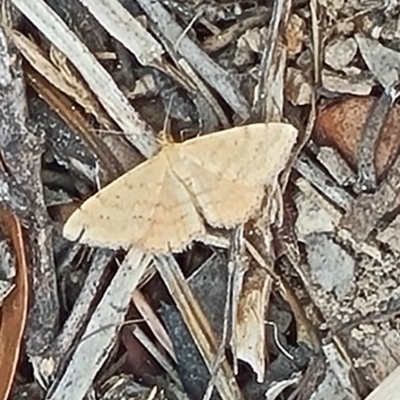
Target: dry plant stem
<point>227,318</point>
<point>98,79</point>
<point>93,349</point>
<point>225,38</point>
<point>63,106</point>
<point>280,13</point>
<point>187,29</point>
<point>21,153</point>
<point>194,81</point>
<point>284,179</point>
<point>210,26</point>
<point>311,118</point>
<point>255,294</point>
<point>366,174</point>
<point>306,167</point>
<point>156,353</point>
<point>250,327</point>
<point>274,101</point>
<point>223,119</point>
<point>57,82</point>
<point>197,325</point>
<point>278,344</point>
<point>95,282</point>
<point>311,378</point>
<point>256,255</point>
<point>306,332</point>
<point>316,41</point>
<point>153,322</point>
<point>121,25</point>
<point>357,378</point>
<point>55,67</point>
<point>368,209</point>
<point>214,75</point>
<point>237,267</point>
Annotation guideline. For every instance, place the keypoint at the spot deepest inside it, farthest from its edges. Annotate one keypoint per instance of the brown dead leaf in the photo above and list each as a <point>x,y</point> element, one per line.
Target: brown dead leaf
<point>341,125</point>
<point>15,306</point>
<point>55,68</point>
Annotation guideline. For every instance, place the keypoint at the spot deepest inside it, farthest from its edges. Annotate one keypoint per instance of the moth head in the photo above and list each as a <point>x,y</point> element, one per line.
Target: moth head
<point>164,138</point>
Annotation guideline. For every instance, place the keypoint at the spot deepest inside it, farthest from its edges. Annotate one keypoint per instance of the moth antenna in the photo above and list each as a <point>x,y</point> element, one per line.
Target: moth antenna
<point>164,136</point>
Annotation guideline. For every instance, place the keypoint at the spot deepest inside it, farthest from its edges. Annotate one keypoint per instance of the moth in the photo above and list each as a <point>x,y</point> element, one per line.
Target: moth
<point>166,202</point>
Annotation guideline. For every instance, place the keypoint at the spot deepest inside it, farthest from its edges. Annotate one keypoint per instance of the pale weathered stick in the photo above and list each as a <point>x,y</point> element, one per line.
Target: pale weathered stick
<point>101,333</point>
<point>121,25</point>
<point>94,283</point>
<point>98,79</point>
<point>198,326</point>
<point>305,166</point>
<point>21,152</point>
<point>211,72</point>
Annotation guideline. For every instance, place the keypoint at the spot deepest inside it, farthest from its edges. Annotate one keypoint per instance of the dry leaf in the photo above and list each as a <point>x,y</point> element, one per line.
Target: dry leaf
<point>59,74</point>
<point>161,205</point>
<point>97,78</point>
<point>15,307</point>
<point>250,326</point>
<point>341,125</point>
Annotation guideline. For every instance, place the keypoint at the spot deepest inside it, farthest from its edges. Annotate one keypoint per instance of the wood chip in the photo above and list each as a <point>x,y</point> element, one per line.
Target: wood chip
<point>339,53</point>
<point>161,205</point>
